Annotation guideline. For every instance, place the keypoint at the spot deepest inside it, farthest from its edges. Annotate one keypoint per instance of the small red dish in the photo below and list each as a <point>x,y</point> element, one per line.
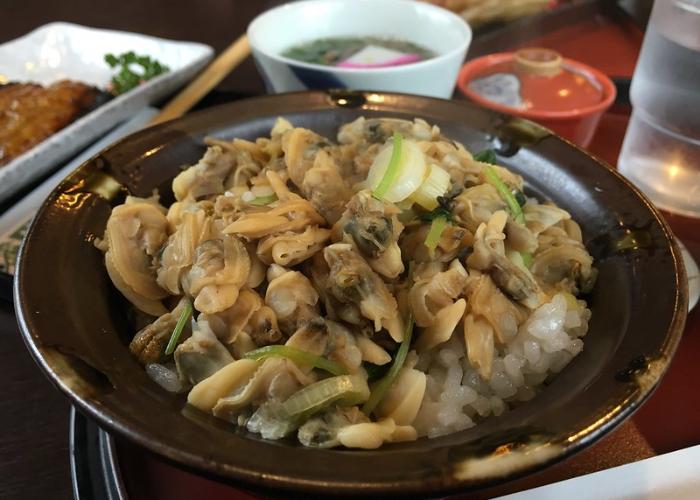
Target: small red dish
<point>566,96</point>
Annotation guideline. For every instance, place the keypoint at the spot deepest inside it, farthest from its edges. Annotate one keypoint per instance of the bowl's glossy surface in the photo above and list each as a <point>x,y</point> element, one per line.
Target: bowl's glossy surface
<point>77,325</point>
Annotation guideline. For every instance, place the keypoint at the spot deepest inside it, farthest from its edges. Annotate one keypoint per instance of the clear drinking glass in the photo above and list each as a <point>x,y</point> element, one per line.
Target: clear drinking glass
<point>661,151</point>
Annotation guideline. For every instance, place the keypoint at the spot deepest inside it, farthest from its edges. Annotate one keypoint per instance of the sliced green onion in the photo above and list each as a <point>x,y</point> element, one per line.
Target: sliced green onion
<point>274,420</point>
<point>185,315</point>
<point>437,226</point>
<point>263,200</point>
<point>514,201</point>
<point>380,389</point>
<point>297,356</point>
<point>392,169</point>
<point>527,259</point>
<point>401,180</point>
<point>513,205</point>
<point>435,185</point>
<point>515,209</point>
<point>347,390</point>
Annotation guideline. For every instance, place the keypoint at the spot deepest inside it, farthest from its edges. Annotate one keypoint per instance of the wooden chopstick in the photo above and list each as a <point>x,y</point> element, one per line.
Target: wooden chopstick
<point>227,61</point>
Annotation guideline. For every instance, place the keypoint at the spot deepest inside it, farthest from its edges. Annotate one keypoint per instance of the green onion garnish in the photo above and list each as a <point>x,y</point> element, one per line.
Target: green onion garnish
<point>486,156</point>
<point>514,201</point>
<point>276,420</point>
<point>185,315</point>
<point>126,78</point>
<point>392,169</point>
<point>263,200</point>
<point>437,226</point>
<point>297,356</point>
<point>346,390</point>
<point>380,389</point>
<point>527,259</point>
<point>515,209</point>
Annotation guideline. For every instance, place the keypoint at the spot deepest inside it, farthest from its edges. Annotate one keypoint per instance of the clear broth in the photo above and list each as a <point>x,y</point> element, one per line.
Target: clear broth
<point>331,51</point>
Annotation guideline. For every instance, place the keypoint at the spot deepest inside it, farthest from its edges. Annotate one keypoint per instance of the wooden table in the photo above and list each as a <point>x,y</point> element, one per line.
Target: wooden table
<point>34,416</point>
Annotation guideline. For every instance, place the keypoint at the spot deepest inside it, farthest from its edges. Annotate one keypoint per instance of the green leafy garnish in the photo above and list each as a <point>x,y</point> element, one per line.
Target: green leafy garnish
<point>185,315</point>
<point>126,78</point>
<point>515,200</point>
<point>261,201</point>
<point>513,206</point>
<point>380,389</point>
<point>392,168</point>
<point>486,156</point>
<point>297,356</point>
<point>437,226</point>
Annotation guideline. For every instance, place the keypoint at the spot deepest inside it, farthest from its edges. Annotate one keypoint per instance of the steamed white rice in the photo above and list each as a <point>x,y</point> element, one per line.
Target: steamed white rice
<point>456,397</point>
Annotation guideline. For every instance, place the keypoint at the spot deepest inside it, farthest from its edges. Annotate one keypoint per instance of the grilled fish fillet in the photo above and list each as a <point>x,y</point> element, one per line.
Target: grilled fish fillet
<point>29,113</point>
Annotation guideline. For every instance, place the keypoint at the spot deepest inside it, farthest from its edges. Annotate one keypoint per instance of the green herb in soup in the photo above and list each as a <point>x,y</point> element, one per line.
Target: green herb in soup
<point>334,51</point>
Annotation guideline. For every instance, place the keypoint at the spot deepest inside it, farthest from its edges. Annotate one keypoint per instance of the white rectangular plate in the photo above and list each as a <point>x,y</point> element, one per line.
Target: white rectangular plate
<point>15,221</point>
<point>62,50</point>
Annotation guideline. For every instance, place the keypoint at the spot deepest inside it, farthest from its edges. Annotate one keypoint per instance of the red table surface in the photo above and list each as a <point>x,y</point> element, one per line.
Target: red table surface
<point>613,48</point>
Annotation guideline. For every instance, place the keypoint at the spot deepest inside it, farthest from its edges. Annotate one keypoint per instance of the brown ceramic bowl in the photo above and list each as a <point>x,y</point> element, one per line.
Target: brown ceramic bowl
<point>77,325</point>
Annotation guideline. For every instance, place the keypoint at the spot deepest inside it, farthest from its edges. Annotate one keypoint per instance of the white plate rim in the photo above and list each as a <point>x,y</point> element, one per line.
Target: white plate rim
<point>58,147</point>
